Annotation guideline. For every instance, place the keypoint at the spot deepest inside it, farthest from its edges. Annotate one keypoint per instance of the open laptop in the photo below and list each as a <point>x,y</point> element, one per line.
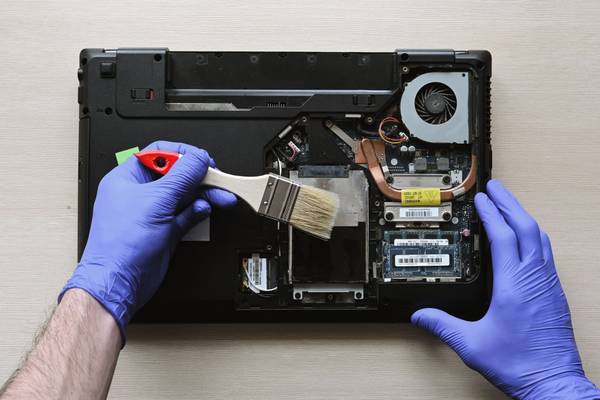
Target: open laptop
<point>402,137</point>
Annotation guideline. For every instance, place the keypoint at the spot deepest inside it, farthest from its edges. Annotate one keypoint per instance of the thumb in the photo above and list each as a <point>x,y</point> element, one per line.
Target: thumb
<point>447,328</point>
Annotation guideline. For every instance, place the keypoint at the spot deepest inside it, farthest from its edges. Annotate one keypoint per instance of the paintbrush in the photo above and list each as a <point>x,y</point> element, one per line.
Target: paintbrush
<point>307,208</point>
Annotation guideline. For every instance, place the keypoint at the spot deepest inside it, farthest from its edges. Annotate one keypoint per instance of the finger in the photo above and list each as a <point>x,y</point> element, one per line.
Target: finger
<point>447,328</point>
<point>193,214</point>
<point>503,241</point>
<point>525,227</point>
<point>219,197</point>
<point>547,249</point>
<point>186,175</point>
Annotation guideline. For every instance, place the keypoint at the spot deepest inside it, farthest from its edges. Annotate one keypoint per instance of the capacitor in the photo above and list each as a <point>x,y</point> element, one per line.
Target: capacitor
<point>404,149</point>
<point>412,149</point>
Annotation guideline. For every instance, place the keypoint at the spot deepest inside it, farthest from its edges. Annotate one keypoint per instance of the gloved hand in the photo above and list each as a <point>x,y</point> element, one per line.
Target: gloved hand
<point>524,344</point>
<point>136,225</point>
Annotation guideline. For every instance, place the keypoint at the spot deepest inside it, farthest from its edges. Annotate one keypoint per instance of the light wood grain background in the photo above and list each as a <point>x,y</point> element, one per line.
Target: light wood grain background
<point>546,115</point>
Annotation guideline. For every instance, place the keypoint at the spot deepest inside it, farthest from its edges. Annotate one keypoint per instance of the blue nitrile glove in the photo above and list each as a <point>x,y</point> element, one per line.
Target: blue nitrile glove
<point>137,223</point>
<point>524,344</point>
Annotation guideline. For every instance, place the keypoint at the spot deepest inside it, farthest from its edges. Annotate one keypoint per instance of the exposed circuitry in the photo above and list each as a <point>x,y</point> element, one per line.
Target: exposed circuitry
<point>385,236</point>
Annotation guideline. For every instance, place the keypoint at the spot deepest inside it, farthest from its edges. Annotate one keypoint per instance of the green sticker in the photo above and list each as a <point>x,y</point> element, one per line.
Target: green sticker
<point>122,156</point>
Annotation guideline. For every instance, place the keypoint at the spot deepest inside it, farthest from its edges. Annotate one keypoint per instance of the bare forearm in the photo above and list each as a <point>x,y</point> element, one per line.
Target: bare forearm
<point>74,357</point>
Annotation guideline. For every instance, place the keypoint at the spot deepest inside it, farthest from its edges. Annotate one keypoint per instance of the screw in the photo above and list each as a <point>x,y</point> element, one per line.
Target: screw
<point>377,203</point>
<point>405,69</point>
<point>304,119</point>
<point>328,123</point>
<point>297,295</point>
<point>358,295</point>
<point>265,202</point>
<point>446,216</point>
<point>446,179</point>
<point>389,179</point>
<point>389,216</point>
<point>369,120</point>
<point>269,247</point>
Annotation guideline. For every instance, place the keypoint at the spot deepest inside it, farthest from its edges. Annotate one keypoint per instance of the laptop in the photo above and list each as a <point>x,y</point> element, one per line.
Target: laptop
<point>403,138</point>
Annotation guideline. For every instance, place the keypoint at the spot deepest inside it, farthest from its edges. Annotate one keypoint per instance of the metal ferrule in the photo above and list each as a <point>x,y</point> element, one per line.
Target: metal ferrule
<point>279,198</point>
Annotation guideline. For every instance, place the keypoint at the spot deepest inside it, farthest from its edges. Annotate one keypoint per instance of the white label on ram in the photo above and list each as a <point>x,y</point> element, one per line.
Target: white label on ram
<point>420,242</point>
<point>419,212</point>
<point>422,260</point>
<point>257,271</point>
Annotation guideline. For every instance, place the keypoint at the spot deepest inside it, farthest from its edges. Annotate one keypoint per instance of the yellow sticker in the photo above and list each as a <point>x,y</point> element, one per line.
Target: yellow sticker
<point>421,197</point>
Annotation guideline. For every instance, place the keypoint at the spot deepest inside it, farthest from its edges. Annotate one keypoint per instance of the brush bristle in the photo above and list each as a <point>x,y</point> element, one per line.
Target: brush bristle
<point>315,211</point>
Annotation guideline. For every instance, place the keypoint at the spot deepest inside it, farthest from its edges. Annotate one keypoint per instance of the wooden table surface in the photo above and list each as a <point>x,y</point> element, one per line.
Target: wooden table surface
<point>546,115</point>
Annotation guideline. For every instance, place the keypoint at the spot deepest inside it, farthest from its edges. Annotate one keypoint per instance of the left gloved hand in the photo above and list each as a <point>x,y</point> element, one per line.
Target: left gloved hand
<point>137,223</point>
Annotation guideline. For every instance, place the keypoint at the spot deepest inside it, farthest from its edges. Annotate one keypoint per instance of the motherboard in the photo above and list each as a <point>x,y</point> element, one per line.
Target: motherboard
<point>406,182</point>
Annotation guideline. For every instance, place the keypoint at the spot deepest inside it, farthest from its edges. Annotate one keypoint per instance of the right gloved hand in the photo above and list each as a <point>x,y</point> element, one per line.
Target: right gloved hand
<point>524,344</point>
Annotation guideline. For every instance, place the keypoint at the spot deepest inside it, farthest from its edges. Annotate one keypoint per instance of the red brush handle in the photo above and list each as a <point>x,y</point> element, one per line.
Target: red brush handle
<point>159,161</point>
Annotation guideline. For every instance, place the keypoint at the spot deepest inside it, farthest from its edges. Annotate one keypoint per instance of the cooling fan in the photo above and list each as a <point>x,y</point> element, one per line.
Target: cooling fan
<point>435,107</point>
<point>435,103</point>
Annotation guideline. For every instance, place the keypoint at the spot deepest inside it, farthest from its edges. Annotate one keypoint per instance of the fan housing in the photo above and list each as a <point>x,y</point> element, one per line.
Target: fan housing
<point>435,107</point>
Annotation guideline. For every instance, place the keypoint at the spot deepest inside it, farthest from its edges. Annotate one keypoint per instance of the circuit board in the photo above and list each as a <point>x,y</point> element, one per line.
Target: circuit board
<point>433,243</point>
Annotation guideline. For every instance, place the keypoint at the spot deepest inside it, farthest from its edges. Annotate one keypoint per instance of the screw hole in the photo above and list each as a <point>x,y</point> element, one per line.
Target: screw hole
<point>160,162</point>
<point>404,56</point>
<point>108,110</point>
<point>83,61</point>
<point>85,110</point>
<point>219,55</point>
<point>157,57</point>
<point>282,54</point>
<point>345,55</point>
